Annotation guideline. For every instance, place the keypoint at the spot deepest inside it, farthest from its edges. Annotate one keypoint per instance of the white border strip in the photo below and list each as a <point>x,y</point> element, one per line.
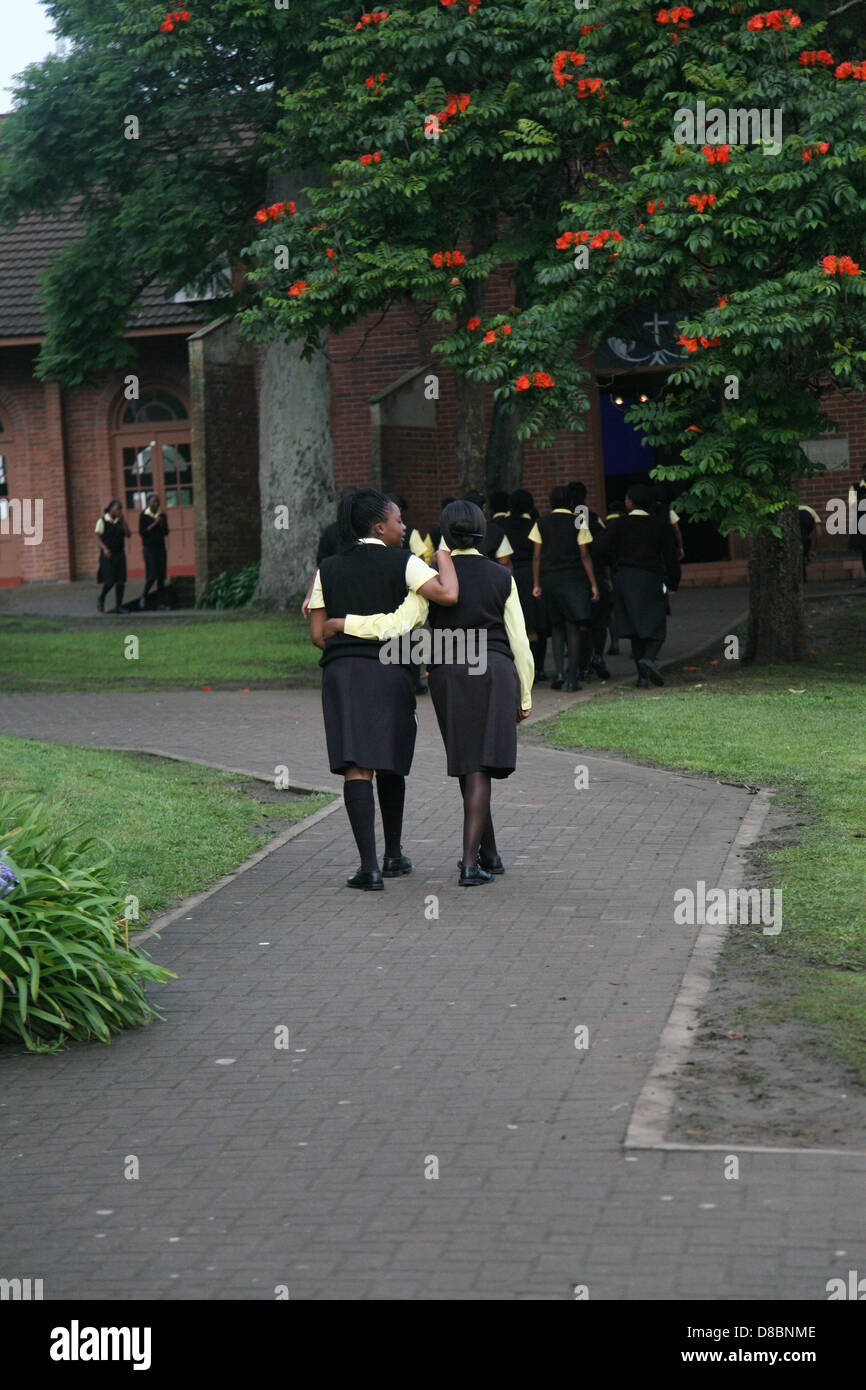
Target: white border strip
<point>651,1113</point>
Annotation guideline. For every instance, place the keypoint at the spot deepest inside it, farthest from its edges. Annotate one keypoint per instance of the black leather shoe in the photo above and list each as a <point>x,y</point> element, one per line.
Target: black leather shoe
<point>574,685</point>
<point>492,864</point>
<point>420,688</point>
<point>395,865</point>
<point>473,876</point>
<point>643,683</point>
<point>599,668</point>
<point>541,676</point>
<point>370,880</point>
<point>558,681</point>
<point>649,668</point>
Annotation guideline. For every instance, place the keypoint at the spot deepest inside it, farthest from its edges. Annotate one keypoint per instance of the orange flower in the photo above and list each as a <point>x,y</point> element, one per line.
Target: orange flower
<point>522,383</point>
<point>473,324</point>
<point>489,338</point>
<point>298,288</point>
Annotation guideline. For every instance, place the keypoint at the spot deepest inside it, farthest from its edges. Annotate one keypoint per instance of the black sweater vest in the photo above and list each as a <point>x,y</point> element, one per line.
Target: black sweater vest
<point>517,529</point>
<point>559,549</point>
<point>484,589</point>
<point>369,579</point>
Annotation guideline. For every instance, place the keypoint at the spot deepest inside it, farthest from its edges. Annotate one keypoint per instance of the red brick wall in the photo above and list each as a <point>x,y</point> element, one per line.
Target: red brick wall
<point>68,434</point>
<point>850,414</point>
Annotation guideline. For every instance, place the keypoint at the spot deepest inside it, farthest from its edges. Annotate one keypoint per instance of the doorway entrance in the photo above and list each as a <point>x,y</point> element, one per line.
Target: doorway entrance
<point>153,454</point>
<point>628,459</point>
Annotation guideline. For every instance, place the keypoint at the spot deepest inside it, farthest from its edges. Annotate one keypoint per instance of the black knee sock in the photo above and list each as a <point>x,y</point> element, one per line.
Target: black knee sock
<point>120,589</point>
<point>637,651</point>
<point>476,813</point>
<point>392,795</point>
<point>106,590</point>
<point>361,810</point>
<point>651,647</point>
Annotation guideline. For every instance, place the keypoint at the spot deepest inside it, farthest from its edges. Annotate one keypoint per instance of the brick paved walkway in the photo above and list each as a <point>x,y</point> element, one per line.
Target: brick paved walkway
<point>411,1037</point>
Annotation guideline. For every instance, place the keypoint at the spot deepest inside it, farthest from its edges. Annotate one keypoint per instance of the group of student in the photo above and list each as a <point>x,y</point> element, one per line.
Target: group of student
<point>518,578</point>
<point>112,533</point>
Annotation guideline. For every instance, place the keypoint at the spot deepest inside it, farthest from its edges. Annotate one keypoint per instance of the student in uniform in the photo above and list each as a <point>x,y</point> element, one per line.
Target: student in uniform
<point>517,526</point>
<point>810,527</point>
<point>328,545</point>
<point>418,544</point>
<point>617,508</point>
<point>592,651</point>
<point>369,706</point>
<point>643,549</point>
<point>496,544</point>
<point>153,529</point>
<point>112,533</point>
<point>478,711</point>
<point>499,507</point>
<point>562,573</point>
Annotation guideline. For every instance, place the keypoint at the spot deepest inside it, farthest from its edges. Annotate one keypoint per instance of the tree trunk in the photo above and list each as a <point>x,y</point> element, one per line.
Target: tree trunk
<point>296,469</point>
<point>777,628</point>
<point>470,435</point>
<point>504,451</point>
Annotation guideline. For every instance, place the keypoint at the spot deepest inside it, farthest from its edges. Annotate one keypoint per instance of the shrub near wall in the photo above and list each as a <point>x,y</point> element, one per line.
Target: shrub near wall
<point>66,970</point>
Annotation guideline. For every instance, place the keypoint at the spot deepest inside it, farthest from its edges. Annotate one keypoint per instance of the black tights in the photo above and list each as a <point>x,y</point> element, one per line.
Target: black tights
<point>106,590</point>
<point>578,638</point>
<point>477,820</point>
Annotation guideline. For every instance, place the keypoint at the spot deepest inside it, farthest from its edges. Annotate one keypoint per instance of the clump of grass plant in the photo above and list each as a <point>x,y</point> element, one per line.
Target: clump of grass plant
<point>67,969</point>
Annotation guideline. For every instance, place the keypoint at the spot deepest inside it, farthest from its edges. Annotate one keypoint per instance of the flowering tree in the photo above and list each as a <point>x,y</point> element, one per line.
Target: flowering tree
<point>737,189</point>
<point>579,160</point>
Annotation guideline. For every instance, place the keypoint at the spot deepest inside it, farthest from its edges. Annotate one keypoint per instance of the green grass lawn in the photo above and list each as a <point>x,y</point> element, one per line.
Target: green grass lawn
<point>801,729</point>
<point>245,649</point>
<point>173,828</point>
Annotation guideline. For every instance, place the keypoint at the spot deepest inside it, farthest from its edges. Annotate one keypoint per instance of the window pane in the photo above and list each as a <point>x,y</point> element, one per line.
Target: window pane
<point>137,477</point>
<point>171,497</point>
<point>153,407</point>
<point>4,479</point>
<point>186,497</point>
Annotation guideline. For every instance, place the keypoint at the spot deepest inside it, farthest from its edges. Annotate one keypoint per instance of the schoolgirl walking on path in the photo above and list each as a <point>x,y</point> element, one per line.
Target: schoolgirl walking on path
<point>369,706</point>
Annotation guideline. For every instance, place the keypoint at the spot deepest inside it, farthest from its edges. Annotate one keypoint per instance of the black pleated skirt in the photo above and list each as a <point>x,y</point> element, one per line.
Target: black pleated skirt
<point>369,711</point>
<point>640,606</point>
<point>534,609</point>
<point>567,595</point>
<point>155,563</point>
<point>478,716</point>
<point>112,569</point>
<point>601,610</point>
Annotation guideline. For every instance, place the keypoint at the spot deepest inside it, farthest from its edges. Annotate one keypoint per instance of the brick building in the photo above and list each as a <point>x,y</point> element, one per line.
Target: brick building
<point>192,432</point>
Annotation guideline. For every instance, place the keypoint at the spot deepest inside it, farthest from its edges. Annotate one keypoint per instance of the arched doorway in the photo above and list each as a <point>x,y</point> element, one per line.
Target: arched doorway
<point>11,539</point>
<point>152,454</point>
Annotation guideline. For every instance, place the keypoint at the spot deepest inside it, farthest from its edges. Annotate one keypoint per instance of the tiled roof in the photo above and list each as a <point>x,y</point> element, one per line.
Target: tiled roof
<point>31,244</point>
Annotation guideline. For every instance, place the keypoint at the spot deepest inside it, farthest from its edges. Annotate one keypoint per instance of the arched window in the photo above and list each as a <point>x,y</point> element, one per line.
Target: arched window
<point>154,407</point>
